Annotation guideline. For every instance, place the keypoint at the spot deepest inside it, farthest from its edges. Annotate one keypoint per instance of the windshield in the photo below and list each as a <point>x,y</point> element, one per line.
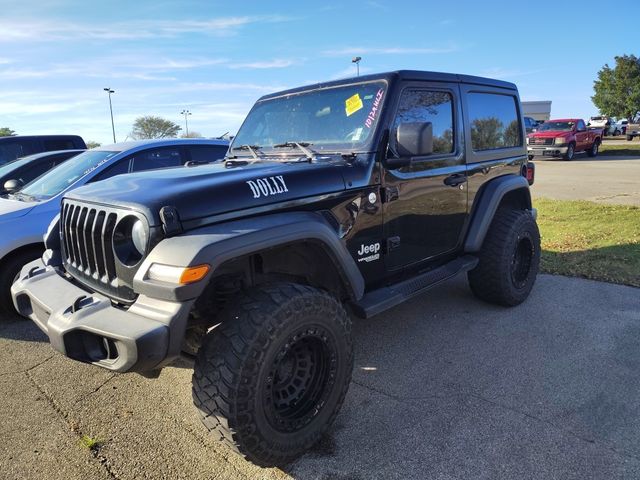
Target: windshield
<point>557,126</point>
<point>57,180</point>
<point>331,119</point>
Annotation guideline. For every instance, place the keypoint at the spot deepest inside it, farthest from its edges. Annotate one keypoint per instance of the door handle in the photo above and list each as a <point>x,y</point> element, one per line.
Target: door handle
<point>455,179</point>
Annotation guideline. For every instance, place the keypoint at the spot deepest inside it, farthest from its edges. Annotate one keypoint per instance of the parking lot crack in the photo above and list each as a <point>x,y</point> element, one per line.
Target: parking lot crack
<point>102,384</point>
<point>106,464</point>
<point>18,372</point>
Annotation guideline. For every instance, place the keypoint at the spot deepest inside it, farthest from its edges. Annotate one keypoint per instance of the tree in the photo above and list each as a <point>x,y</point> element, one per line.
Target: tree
<point>191,135</point>
<point>6,132</point>
<point>154,127</point>
<point>617,90</point>
<point>92,144</point>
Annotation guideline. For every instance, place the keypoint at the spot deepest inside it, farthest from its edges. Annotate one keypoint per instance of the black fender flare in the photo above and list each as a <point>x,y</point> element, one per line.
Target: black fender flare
<point>217,244</point>
<point>486,205</point>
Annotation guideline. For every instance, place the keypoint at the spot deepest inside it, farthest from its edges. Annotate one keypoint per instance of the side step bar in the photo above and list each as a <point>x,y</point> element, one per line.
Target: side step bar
<point>384,298</point>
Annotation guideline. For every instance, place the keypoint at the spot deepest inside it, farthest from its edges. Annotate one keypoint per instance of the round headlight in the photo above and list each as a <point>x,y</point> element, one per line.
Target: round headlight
<point>130,240</point>
<point>139,237</point>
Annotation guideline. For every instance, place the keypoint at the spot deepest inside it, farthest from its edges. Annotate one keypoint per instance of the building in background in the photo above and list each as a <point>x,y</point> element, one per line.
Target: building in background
<point>539,110</point>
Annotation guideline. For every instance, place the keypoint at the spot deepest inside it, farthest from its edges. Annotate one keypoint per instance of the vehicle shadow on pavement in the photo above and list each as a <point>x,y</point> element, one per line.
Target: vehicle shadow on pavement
<point>17,328</point>
<point>446,386</point>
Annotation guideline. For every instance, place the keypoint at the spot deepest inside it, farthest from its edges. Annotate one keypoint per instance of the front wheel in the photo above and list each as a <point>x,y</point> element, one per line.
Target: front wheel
<point>595,148</point>
<point>272,377</point>
<point>571,150</point>
<point>629,138</point>
<point>509,259</point>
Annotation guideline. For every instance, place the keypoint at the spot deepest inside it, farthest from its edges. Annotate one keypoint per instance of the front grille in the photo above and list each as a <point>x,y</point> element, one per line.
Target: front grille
<point>540,141</point>
<point>87,244</point>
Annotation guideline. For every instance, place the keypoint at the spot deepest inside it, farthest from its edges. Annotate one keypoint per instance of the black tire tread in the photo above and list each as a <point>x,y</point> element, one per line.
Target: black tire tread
<point>486,280</point>
<point>8,269</point>
<point>226,360</point>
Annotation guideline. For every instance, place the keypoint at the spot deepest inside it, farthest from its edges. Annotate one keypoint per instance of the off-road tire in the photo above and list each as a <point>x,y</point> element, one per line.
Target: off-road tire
<point>571,152</point>
<point>271,340</point>
<point>595,148</point>
<point>9,272</point>
<point>509,259</point>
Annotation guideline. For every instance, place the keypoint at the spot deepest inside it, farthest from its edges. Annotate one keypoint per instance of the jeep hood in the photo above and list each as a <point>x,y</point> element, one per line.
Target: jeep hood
<point>205,190</point>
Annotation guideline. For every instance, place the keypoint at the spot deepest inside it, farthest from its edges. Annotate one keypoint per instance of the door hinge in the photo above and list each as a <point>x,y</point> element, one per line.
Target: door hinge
<point>391,194</point>
<point>393,243</point>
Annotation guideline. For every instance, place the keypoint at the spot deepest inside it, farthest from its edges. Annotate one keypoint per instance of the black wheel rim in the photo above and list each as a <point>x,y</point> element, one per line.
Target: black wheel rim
<point>300,379</point>
<point>521,261</point>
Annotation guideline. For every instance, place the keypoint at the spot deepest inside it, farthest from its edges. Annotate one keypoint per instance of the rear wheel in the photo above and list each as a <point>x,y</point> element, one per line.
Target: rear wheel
<point>509,259</point>
<point>595,148</point>
<point>9,273</point>
<point>272,377</point>
<point>571,151</point>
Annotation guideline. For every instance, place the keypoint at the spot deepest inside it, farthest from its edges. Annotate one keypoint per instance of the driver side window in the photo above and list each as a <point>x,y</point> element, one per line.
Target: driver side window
<point>417,105</point>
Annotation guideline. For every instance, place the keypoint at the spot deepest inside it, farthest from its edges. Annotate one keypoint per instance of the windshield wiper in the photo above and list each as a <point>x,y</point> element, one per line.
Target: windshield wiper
<point>23,197</point>
<point>251,148</point>
<point>311,155</point>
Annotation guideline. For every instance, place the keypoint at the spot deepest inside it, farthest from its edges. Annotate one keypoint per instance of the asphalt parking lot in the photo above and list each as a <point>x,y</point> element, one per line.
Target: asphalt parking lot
<point>605,179</point>
<point>444,387</point>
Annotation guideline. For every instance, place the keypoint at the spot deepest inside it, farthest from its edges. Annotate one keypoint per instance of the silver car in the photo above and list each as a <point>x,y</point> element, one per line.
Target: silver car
<point>26,214</point>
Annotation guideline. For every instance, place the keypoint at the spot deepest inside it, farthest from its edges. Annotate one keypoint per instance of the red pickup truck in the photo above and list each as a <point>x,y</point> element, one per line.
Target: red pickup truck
<point>564,138</point>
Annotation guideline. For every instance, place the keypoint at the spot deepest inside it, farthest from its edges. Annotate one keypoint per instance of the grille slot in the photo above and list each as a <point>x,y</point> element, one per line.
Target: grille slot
<point>541,141</point>
<point>87,239</point>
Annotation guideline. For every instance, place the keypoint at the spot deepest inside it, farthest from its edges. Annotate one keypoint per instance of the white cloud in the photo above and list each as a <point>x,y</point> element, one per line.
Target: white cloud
<point>276,63</point>
<point>17,30</point>
<point>350,51</point>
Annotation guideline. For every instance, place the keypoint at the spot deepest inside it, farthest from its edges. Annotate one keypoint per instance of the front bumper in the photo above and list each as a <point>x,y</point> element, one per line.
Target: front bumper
<point>86,326</point>
<point>547,150</point>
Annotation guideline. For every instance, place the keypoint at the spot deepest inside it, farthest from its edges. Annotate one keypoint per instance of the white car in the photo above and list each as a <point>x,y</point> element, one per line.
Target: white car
<point>26,214</point>
<point>607,124</point>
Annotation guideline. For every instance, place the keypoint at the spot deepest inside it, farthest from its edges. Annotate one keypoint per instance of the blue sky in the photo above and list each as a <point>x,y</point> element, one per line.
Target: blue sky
<point>216,58</point>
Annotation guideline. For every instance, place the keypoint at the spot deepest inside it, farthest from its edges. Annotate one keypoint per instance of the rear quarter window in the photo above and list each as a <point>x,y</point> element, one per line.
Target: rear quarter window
<point>494,121</point>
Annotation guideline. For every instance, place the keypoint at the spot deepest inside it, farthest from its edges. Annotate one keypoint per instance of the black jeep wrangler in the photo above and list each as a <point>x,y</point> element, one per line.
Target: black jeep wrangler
<point>344,197</point>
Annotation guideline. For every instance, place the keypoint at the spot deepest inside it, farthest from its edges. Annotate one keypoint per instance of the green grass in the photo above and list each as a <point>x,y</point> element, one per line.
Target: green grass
<point>90,443</point>
<point>590,240</point>
<point>623,149</point>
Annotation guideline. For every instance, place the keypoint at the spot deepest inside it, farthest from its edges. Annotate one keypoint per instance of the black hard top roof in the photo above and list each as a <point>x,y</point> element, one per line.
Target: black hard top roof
<point>402,75</point>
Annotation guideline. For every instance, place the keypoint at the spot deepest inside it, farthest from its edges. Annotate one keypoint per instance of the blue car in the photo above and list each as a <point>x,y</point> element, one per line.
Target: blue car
<point>17,173</point>
<point>26,214</point>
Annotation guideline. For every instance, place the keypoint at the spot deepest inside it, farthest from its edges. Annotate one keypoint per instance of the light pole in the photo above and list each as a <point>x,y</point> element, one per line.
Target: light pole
<point>186,113</point>
<point>356,60</point>
<point>113,128</point>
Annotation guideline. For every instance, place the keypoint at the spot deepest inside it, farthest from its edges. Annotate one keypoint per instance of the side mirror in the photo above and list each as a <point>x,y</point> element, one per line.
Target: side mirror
<point>414,139</point>
<point>12,185</point>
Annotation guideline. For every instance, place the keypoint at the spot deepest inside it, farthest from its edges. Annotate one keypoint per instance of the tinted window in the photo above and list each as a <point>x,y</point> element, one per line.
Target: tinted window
<point>58,144</point>
<point>119,168</point>
<point>494,121</point>
<point>10,151</point>
<point>207,153</point>
<point>428,106</point>
<point>580,125</point>
<point>156,158</point>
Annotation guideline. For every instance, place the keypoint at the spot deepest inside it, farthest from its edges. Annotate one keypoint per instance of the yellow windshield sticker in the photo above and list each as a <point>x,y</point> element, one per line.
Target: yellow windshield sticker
<point>353,104</point>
